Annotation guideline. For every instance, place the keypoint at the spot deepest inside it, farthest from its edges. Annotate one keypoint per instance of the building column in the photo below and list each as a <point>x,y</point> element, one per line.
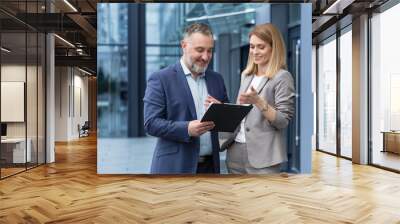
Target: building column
<point>305,97</point>
<point>50,98</point>
<point>229,67</point>
<point>136,69</point>
<point>92,99</point>
<point>360,90</point>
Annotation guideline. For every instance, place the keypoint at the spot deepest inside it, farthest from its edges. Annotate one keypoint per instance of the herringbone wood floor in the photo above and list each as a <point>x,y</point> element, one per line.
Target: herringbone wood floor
<point>70,191</point>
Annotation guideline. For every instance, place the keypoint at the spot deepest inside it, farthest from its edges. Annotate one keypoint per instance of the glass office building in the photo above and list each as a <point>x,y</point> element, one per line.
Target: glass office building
<point>113,69</point>
<point>135,40</point>
<point>162,48</point>
<point>230,23</point>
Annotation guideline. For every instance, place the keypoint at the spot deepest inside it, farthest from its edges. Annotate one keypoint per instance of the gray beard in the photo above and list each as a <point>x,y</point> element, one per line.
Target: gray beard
<point>198,69</point>
<point>195,68</point>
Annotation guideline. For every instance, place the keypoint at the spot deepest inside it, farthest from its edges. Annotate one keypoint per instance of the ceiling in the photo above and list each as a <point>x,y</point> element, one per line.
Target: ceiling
<point>328,16</point>
<point>76,22</point>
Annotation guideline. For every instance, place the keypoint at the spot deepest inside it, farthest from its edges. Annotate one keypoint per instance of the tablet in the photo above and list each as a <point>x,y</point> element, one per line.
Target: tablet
<point>226,116</point>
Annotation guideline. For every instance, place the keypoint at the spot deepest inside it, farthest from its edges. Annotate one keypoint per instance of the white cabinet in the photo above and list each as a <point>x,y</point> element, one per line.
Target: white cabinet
<point>18,149</point>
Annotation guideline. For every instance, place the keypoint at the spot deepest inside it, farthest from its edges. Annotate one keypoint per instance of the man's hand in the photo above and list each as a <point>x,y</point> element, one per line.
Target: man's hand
<point>197,128</point>
<point>210,100</point>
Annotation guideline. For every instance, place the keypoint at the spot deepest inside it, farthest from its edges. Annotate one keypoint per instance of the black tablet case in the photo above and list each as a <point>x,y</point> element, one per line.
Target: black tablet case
<point>226,117</point>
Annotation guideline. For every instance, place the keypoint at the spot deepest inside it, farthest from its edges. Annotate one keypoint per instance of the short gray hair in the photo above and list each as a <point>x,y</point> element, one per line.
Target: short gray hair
<point>197,28</point>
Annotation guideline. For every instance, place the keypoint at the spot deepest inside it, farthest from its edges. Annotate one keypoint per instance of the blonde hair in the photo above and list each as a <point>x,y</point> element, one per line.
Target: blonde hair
<point>271,35</point>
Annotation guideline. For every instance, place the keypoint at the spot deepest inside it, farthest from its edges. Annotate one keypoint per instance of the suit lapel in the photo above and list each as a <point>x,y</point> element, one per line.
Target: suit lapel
<point>187,93</point>
<point>262,84</point>
<point>209,83</point>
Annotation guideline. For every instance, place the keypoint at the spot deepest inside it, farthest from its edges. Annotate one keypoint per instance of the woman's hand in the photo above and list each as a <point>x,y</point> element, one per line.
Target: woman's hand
<point>250,97</point>
<point>210,100</point>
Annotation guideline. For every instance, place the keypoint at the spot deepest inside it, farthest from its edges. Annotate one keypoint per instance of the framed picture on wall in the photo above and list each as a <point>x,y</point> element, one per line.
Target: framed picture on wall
<point>12,101</point>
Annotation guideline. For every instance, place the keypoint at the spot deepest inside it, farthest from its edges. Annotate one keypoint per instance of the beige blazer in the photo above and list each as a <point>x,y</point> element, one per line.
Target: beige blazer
<point>265,141</point>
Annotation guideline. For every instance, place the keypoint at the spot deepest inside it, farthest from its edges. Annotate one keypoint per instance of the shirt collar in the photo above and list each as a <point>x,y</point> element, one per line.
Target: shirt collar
<point>186,70</point>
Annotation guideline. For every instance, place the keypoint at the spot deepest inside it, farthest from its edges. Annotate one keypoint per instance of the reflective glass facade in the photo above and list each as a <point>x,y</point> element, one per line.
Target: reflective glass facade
<point>162,48</point>
<point>112,48</point>
<point>136,40</point>
<point>327,96</point>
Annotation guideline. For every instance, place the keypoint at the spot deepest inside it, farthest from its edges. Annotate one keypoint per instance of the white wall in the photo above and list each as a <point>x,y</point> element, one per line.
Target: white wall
<point>71,102</point>
<point>61,103</point>
<point>80,104</point>
<point>12,73</point>
<point>33,125</point>
<point>314,87</point>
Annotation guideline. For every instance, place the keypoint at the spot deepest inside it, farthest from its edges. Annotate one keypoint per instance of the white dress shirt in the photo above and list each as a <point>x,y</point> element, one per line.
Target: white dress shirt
<point>240,137</point>
<point>198,87</point>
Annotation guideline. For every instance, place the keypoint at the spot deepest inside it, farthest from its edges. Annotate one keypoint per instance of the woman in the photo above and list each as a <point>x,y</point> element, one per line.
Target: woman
<point>258,145</point>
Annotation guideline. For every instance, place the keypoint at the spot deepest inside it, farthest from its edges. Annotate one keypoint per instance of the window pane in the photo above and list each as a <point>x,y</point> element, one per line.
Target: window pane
<point>13,84</point>
<point>41,99</point>
<point>385,86</point>
<point>31,100</point>
<point>345,94</point>
<point>112,53</point>
<point>327,97</point>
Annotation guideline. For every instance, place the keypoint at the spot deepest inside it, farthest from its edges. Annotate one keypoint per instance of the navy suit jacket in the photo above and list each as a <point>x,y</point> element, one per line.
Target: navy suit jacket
<point>168,108</point>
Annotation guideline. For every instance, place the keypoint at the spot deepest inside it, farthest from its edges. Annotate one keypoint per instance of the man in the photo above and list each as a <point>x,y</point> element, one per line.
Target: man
<point>175,100</point>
